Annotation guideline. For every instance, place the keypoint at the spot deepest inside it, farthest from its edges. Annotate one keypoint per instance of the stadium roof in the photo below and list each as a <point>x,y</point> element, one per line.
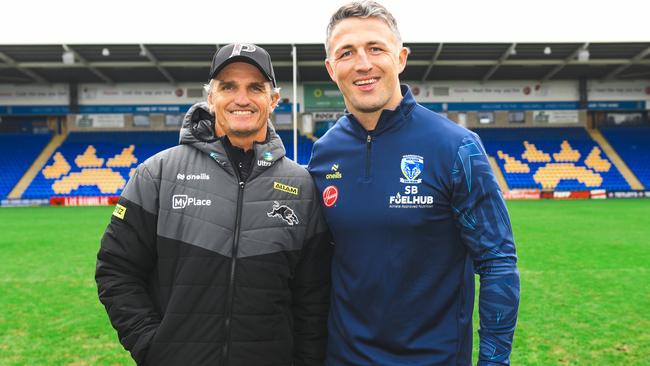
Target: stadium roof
<point>178,63</point>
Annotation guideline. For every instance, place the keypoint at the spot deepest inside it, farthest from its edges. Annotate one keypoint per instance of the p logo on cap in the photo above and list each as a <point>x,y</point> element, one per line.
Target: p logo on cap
<point>243,52</point>
<point>239,47</point>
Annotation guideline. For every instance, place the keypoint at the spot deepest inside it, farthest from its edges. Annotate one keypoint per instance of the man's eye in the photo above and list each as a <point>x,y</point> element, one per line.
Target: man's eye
<point>257,88</point>
<point>226,87</point>
<point>375,49</point>
<point>345,54</point>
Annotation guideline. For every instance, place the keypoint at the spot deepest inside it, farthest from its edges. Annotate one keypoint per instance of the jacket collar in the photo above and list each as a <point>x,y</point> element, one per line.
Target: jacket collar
<point>198,131</point>
<point>388,120</point>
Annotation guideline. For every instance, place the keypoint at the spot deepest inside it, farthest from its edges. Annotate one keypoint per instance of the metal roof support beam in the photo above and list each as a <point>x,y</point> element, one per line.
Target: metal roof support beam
<point>294,102</point>
<point>87,64</point>
<point>156,64</point>
<point>11,62</point>
<point>502,59</point>
<point>203,64</point>
<point>567,61</point>
<point>297,63</point>
<point>632,61</point>
<point>432,62</point>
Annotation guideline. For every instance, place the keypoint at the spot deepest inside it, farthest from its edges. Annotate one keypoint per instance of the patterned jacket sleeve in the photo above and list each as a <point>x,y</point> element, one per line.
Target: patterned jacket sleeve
<point>311,291</point>
<point>125,261</point>
<point>486,231</point>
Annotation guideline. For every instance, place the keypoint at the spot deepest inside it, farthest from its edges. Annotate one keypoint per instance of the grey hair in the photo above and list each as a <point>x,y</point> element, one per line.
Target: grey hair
<point>362,9</point>
<point>210,85</point>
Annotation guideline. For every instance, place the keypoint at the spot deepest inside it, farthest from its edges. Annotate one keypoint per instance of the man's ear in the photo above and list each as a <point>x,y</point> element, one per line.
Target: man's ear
<point>210,102</point>
<point>275,99</point>
<point>402,56</point>
<point>330,69</point>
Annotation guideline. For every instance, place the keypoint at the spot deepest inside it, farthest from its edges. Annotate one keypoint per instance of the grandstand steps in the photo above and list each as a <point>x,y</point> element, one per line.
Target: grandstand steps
<point>615,159</point>
<point>498,174</point>
<point>37,166</point>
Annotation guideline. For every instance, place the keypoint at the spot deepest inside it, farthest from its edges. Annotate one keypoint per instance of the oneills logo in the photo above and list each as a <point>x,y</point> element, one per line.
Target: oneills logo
<point>335,173</point>
<point>202,176</point>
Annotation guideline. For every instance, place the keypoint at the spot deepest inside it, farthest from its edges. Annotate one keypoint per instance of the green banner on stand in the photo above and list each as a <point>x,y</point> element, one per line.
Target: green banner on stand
<point>323,96</point>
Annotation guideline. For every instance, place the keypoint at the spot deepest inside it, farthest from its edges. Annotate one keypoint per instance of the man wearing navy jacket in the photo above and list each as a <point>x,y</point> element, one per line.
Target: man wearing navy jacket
<point>415,211</point>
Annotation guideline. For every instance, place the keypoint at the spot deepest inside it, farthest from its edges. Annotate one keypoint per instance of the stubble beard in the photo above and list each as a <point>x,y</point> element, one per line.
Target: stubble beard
<point>370,107</point>
<point>242,133</point>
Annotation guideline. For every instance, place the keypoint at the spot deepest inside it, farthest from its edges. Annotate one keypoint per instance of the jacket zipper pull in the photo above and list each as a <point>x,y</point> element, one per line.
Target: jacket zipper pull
<point>368,147</point>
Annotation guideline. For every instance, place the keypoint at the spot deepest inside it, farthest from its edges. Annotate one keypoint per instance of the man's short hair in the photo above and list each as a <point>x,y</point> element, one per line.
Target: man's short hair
<point>362,9</point>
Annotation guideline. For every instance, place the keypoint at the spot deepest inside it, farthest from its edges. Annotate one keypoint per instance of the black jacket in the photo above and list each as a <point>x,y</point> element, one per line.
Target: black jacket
<point>198,268</point>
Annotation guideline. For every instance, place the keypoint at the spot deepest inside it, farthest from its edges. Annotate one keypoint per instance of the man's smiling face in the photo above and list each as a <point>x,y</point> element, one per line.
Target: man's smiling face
<point>242,101</point>
<point>365,62</point>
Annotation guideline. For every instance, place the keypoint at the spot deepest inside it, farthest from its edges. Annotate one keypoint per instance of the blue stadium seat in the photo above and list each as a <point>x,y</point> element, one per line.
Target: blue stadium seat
<point>99,163</point>
<point>305,145</point>
<point>633,146</point>
<point>17,152</point>
<point>71,170</point>
<point>548,162</point>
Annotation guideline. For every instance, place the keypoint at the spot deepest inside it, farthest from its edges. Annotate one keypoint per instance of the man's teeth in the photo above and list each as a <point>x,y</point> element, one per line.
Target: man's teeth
<point>365,82</point>
<point>241,113</point>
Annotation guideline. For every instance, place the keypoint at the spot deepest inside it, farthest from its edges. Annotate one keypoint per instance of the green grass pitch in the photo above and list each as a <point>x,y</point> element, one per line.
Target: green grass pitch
<point>585,285</point>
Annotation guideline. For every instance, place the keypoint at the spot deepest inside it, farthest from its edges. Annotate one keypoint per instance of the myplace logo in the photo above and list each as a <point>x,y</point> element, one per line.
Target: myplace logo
<point>180,201</point>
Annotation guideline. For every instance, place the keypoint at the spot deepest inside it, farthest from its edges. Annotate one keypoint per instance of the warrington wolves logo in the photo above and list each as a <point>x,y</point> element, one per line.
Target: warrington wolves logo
<point>412,166</point>
<point>284,212</point>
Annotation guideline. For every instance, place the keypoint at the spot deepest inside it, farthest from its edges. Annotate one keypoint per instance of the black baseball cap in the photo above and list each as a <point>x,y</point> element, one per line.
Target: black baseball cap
<point>243,52</point>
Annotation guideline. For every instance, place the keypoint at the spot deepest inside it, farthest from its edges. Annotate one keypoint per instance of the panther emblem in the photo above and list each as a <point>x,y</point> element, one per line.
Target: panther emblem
<point>284,212</point>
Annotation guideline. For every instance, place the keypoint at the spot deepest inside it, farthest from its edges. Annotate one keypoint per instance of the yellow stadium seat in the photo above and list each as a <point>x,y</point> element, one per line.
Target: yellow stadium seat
<point>59,168</point>
<point>123,160</point>
<point>550,175</point>
<point>106,180</point>
<point>567,153</point>
<point>533,155</point>
<point>89,159</point>
<point>596,162</point>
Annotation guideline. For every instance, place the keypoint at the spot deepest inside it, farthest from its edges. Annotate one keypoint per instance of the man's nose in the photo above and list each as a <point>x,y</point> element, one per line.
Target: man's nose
<point>362,63</point>
<point>241,97</point>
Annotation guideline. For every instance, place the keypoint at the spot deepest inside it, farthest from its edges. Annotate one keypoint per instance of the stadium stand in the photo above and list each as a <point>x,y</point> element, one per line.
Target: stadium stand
<point>304,146</point>
<point>96,163</point>
<point>17,152</point>
<point>321,127</point>
<point>633,145</point>
<point>551,159</point>
<point>99,164</point>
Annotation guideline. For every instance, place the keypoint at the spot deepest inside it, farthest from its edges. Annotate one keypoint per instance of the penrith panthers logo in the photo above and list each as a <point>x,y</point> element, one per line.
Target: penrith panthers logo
<point>284,212</point>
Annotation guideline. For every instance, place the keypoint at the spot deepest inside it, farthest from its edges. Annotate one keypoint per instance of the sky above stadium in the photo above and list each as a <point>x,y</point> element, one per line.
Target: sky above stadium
<point>292,21</point>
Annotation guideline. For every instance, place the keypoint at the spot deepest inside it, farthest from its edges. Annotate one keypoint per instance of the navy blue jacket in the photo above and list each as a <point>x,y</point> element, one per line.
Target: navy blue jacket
<point>415,211</point>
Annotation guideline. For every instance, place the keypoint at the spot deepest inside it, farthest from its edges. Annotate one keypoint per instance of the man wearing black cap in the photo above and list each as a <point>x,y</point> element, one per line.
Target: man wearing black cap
<point>217,252</point>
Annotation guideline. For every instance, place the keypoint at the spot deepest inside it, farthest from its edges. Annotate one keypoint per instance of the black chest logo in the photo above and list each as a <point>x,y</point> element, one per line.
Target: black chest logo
<point>284,212</point>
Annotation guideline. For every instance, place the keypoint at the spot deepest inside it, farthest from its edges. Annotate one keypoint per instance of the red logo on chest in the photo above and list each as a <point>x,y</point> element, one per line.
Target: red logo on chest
<point>330,195</point>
